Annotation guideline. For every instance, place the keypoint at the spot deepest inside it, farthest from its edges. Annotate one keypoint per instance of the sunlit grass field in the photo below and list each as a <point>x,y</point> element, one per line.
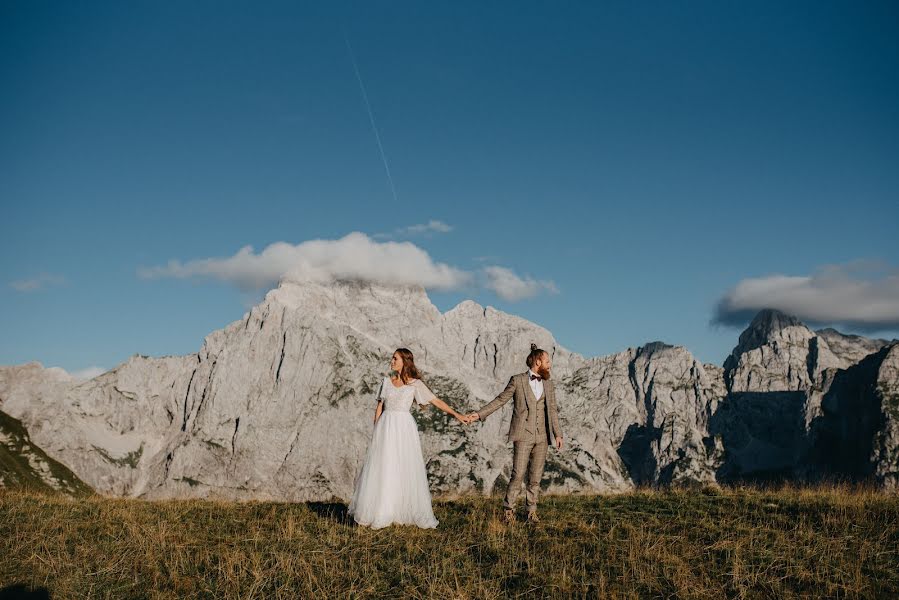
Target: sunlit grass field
<point>835,542</point>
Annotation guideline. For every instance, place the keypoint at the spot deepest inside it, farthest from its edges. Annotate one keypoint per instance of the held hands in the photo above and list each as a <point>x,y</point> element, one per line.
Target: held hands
<point>472,417</point>
<point>467,419</point>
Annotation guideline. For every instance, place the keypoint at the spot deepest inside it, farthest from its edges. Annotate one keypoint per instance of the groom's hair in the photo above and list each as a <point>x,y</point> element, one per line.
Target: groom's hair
<point>409,371</point>
<point>533,356</point>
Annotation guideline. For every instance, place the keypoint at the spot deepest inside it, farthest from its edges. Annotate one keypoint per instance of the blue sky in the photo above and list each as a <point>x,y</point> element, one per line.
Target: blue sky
<point>659,166</point>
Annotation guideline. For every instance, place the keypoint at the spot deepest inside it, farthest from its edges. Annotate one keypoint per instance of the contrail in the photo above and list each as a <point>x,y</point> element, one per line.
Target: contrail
<point>371,116</point>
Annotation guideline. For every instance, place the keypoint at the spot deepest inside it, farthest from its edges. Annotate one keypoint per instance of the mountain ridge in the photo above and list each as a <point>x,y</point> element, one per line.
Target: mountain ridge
<point>278,404</point>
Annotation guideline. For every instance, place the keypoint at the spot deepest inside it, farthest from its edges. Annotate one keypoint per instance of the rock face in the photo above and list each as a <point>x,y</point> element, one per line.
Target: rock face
<point>24,465</point>
<point>777,353</point>
<point>799,402</point>
<point>279,404</point>
<point>849,349</point>
<point>855,432</point>
<point>642,414</point>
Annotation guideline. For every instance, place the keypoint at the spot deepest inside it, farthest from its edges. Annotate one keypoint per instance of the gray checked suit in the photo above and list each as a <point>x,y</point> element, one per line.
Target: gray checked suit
<point>534,427</point>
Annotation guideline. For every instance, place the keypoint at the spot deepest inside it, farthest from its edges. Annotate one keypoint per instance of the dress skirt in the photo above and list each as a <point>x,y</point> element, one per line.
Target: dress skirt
<point>392,486</point>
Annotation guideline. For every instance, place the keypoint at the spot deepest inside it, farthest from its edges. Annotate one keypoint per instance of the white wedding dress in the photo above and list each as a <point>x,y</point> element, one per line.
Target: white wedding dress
<point>392,487</point>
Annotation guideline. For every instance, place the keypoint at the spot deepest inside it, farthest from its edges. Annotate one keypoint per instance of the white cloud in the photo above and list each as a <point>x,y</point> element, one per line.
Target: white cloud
<point>37,283</point>
<point>432,226</point>
<point>88,373</point>
<point>352,257</point>
<point>862,294</point>
<point>80,375</point>
<point>510,286</point>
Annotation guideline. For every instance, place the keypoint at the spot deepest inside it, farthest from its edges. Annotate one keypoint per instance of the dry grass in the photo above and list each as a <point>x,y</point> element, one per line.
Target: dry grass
<point>831,542</point>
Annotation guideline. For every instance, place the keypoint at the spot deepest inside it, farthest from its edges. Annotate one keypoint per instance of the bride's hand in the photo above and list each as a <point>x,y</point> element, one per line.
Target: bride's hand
<point>461,418</point>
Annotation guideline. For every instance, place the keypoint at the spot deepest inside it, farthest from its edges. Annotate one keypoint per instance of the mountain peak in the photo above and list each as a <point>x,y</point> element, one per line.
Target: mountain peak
<point>328,297</point>
<point>771,320</point>
<point>370,307</point>
<point>769,325</point>
<point>765,326</point>
<point>652,347</point>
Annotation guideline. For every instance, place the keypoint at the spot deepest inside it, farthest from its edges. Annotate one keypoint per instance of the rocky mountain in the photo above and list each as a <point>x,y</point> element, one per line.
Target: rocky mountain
<point>777,353</point>
<point>24,465</point>
<point>849,349</point>
<point>789,388</point>
<point>279,404</point>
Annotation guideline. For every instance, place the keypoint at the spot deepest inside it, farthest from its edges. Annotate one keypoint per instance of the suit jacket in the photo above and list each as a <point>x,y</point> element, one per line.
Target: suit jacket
<point>524,414</point>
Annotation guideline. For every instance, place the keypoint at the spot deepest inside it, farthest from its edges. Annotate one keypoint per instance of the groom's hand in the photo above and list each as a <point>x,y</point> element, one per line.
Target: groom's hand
<point>559,443</point>
<point>472,417</point>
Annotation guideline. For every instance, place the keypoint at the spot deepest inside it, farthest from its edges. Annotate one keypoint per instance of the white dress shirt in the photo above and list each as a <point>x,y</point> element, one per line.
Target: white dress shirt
<point>536,386</point>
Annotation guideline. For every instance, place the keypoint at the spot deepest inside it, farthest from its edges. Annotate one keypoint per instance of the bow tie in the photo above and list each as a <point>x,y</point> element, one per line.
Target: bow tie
<point>533,377</point>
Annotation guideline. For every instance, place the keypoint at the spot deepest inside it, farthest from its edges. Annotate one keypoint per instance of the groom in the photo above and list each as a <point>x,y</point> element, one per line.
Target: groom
<point>535,425</point>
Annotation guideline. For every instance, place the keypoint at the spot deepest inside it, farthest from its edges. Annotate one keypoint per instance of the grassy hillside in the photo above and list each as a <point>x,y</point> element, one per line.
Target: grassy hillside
<point>25,465</point>
<point>829,542</point>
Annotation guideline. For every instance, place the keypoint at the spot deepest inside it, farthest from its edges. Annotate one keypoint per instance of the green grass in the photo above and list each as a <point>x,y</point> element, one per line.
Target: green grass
<point>131,459</point>
<point>16,470</point>
<point>705,543</point>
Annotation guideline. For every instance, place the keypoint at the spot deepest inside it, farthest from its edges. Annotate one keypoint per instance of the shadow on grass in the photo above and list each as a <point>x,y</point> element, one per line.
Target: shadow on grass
<point>20,591</point>
<point>332,511</point>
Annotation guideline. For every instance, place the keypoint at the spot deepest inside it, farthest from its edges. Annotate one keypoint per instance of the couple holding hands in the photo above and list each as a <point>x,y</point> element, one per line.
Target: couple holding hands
<point>392,486</point>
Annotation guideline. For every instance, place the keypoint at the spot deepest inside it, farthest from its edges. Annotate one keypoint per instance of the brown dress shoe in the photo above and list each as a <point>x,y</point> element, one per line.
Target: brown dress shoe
<point>532,517</point>
<point>509,515</point>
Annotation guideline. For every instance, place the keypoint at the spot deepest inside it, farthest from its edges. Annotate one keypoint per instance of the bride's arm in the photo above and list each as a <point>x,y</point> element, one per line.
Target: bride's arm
<point>447,409</point>
<point>424,396</point>
<point>380,398</point>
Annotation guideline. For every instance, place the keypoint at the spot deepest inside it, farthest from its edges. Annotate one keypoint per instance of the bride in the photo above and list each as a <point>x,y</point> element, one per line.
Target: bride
<point>392,486</point>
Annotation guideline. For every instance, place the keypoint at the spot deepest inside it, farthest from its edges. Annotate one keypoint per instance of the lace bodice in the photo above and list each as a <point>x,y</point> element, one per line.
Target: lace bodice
<point>401,398</point>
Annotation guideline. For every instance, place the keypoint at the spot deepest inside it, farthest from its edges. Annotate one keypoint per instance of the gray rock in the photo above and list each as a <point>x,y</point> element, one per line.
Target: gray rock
<point>855,435</point>
<point>777,353</point>
<point>279,404</point>
<point>804,405</point>
<point>850,349</point>
<point>25,465</point>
